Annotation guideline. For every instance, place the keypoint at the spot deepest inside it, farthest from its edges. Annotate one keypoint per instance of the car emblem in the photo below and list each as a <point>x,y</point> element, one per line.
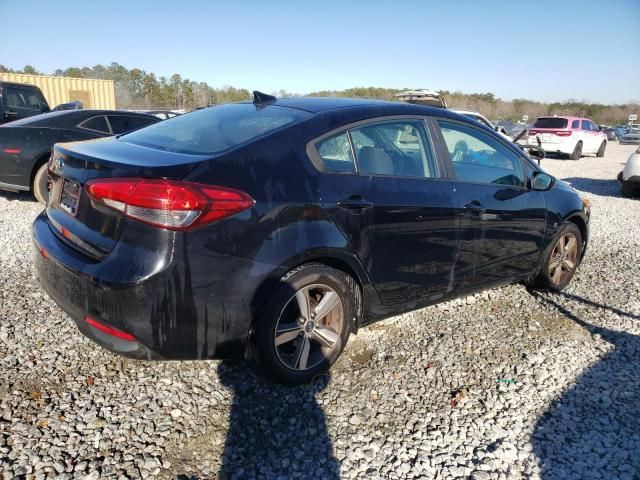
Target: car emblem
<point>58,164</point>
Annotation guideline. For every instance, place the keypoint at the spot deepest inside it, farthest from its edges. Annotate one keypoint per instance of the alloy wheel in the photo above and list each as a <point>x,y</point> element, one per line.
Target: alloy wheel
<point>309,328</point>
<point>564,258</point>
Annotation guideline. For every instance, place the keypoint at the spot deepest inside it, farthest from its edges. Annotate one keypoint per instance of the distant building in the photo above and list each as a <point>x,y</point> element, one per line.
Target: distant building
<point>422,97</point>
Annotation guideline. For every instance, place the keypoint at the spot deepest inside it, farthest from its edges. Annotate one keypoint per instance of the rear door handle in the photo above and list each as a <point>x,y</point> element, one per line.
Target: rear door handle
<point>474,208</point>
<point>355,202</point>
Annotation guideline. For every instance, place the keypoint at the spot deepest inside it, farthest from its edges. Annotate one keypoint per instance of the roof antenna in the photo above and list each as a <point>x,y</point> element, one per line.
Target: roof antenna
<point>259,98</point>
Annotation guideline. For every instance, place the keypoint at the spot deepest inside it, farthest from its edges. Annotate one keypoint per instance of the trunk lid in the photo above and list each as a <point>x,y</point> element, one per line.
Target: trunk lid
<point>87,226</point>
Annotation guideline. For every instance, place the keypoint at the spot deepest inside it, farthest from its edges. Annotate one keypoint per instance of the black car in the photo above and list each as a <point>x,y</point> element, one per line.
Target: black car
<point>274,229</point>
<point>25,145</point>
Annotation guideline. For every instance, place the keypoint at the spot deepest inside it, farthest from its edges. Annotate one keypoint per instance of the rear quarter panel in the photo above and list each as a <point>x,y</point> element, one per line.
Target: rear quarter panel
<point>35,145</point>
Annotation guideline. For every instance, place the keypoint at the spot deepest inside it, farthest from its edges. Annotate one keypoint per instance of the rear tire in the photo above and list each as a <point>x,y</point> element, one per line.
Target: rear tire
<point>560,259</point>
<point>293,347</point>
<point>577,152</point>
<point>628,189</point>
<point>601,150</point>
<point>40,184</point>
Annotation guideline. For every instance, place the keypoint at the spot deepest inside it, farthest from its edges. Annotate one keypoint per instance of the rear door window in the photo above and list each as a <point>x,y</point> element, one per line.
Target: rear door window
<point>335,153</point>
<point>124,123</point>
<point>575,124</point>
<point>477,157</point>
<point>394,148</point>
<point>98,124</point>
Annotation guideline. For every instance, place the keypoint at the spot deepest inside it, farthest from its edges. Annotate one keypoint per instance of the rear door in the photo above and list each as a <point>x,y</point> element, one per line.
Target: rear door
<point>503,221</point>
<point>20,102</point>
<point>384,189</point>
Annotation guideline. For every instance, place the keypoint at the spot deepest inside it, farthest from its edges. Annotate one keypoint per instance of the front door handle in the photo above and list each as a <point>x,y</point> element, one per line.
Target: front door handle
<point>355,202</point>
<point>10,113</point>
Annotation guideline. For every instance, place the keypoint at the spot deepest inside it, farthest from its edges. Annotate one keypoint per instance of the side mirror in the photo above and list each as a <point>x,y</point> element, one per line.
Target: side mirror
<point>541,181</point>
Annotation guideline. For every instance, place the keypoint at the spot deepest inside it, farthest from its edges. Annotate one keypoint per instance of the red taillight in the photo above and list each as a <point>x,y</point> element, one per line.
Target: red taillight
<point>533,132</point>
<point>168,203</point>
<point>111,331</point>
<point>11,151</point>
<point>563,133</point>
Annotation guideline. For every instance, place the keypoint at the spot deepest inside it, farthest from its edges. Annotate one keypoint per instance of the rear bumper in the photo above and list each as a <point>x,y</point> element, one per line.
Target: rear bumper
<point>563,146</point>
<point>186,308</point>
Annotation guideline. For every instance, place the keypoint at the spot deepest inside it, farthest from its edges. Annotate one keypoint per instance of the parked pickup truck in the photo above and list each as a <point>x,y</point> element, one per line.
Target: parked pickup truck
<point>19,100</point>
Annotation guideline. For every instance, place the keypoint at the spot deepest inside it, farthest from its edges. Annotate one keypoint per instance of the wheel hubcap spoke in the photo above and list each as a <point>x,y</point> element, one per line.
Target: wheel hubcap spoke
<point>302,353</point>
<point>329,301</point>
<point>287,332</point>
<point>302,297</point>
<point>325,336</point>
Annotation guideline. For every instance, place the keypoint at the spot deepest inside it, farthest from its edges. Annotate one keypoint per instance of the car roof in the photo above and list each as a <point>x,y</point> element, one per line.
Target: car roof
<point>69,118</point>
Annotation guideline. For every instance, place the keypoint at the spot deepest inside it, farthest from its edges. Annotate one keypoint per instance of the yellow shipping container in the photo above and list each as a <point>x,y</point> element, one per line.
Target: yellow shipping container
<point>99,94</point>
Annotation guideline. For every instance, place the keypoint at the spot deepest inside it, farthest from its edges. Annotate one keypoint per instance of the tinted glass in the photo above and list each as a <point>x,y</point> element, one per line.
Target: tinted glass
<point>477,157</point>
<point>123,123</point>
<point>398,148</point>
<point>22,98</point>
<point>335,153</point>
<point>216,129</point>
<point>551,122</point>
<point>575,124</point>
<point>96,123</point>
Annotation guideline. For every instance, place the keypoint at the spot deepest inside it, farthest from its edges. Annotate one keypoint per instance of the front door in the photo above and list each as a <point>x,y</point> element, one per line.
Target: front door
<point>503,221</point>
<point>19,102</point>
<point>383,188</point>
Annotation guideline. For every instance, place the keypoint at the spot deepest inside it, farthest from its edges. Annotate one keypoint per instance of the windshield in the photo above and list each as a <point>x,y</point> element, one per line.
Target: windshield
<point>551,122</point>
<point>216,129</point>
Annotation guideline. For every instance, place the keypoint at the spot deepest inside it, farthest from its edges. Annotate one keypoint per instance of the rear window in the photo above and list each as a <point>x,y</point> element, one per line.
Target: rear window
<point>551,122</point>
<point>214,130</point>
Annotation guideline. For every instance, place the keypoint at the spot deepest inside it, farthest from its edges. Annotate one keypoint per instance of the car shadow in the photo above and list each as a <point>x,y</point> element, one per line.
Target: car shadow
<point>19,196</point>
<point>275,430</point>
<point>593,429</point>
<point>602,187</point>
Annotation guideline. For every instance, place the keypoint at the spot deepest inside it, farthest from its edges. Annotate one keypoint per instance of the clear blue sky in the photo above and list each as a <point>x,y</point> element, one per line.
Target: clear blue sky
<point>539,49</point>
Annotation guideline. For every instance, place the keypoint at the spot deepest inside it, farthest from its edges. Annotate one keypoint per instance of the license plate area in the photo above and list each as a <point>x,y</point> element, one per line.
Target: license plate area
<point>69,196</point>
<point>546,137</point>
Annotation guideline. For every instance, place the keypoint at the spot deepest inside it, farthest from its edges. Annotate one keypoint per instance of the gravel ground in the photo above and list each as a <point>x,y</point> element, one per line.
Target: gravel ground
<point>505,384</point>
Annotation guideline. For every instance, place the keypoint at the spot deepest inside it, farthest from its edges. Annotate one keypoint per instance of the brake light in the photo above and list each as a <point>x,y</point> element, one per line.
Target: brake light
<point>167,203</point>
<point>563,133</point>
<point>533,132</point>
<point>111,331</point>
<point>11,151</point>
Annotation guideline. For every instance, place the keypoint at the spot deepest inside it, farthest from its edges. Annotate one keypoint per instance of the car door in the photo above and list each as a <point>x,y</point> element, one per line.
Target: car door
<point>503,221</point>
<point>384,189</point>
<point>589,136</point>
<point>20,102</point>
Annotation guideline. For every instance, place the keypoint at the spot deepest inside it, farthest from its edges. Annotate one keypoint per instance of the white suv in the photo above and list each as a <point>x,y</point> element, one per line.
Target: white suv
<point>572,136</point>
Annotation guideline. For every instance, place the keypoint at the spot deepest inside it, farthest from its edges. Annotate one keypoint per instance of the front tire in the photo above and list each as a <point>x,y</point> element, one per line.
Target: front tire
<point>307,323</point>
<point>577,152</point>
<point>601,150</point>
<point>561,258</point>
<point>40,184</point>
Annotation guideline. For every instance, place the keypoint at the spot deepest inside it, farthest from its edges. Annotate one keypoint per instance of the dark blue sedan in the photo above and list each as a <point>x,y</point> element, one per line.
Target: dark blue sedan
<point>276,228</point>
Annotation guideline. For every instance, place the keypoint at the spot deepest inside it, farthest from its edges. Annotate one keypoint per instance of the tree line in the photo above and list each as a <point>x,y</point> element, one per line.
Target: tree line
<point>138,89</point>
